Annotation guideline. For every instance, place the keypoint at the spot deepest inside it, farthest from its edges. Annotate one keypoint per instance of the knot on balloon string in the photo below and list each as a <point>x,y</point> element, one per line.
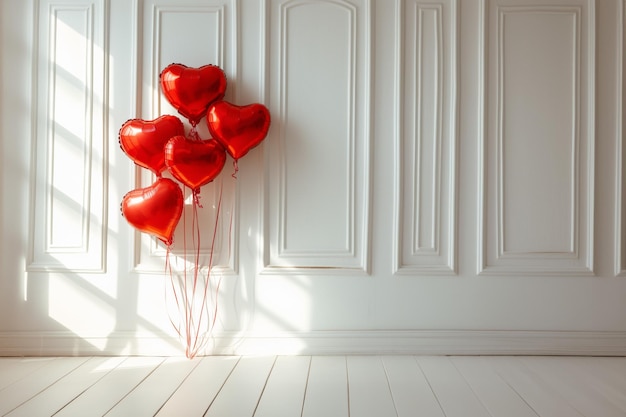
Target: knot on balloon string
<point>195,194</point>
<point>193,133</point>
<point>236,169</point>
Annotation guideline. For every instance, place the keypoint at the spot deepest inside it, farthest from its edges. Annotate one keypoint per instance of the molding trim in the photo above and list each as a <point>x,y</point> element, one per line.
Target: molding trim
<point>414,342</point>
<point>426,140</point>
<point>493,257</point>
<point>350,250</point>
<point>66,84</point>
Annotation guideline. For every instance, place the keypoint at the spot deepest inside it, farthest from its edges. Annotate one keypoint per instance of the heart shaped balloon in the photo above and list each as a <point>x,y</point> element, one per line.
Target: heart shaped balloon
<point>192,90</point>
<point>155,209</point>
<point>194,162</point>
<point>238,128</point>
<point>144,141</point>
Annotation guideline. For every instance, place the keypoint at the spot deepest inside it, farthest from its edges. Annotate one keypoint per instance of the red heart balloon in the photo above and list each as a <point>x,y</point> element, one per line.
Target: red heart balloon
<point>155,209</point>
<point>192,90</point>
<point>144,141</point>
<point>194,162</point>
<point>238,128</point>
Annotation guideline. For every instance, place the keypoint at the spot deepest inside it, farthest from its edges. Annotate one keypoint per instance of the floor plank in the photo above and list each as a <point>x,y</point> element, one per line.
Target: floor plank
<point>284,394</point>
<point>9,361</point>
<point>14,369</point>
<point>409,388</point>
<point>243,389</point>
<point>495,394</point>
<point>111,388</point>
<point>454,394</point>
<point>606,376</point>
<point>194,396</point>
<point>369,392</point>
<point>66,389</point>
<point>327,390</point>
<point>35,382</point>
<point>560,375</point>
<point>542,398</point>
<point>147,398</point>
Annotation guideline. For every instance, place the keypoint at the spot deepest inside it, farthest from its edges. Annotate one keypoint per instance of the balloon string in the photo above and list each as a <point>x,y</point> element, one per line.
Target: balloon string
<point>168,269</point>
<point>230,225</point>
<point>184,294</point>
<point>191,346</point>
<point>196,198</point>
<point>186,304</point>
<point>208,275</point>
<point>230,235</point>
<point>236,169</point>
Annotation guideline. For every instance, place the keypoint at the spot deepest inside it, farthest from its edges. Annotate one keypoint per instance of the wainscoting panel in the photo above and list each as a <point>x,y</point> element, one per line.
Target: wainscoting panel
<point>539,139</point>
<point>318,163</point>
<point>69,184</point>
<point>426,222</point>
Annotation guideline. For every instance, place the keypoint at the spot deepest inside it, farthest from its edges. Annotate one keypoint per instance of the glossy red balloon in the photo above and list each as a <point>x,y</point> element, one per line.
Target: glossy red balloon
<point>144,141</point>
<point>192,90</point>
<point>238,128</point>
<point>155,209</point>
<point>194,162</point>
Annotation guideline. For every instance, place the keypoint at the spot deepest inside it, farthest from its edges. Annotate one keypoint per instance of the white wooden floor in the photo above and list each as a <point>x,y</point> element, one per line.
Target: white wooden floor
<point>317,386</point>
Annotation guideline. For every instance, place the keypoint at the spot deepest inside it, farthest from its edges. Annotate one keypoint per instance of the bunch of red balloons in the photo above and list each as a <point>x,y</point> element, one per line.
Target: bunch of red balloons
<point>161,144</point>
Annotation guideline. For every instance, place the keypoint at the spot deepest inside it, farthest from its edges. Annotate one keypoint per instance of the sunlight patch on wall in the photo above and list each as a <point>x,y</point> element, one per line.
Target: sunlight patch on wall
<point>69,221</point>
<point>286,304</point>
<point>79,310</point>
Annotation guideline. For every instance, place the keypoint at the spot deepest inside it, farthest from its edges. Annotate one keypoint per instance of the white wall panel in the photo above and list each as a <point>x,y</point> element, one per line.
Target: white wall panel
<point>426,222</point>
<point>318,158</point>
<point>539,173</point>
<point>195,33</point>
<point>68,216</point>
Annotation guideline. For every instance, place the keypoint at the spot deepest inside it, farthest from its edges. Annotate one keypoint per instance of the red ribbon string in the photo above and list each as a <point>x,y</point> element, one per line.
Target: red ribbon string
<point>193,133</point>
<point>191,298</point>
<point>207,280</point>
<point>192,293</point>
<point>235,169</point>
<point>196,198</point>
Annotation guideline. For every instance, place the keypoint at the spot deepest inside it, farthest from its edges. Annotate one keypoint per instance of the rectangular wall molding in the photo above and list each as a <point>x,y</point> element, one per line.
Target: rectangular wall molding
<point>321,224</point>
<point>425,215</point>
<point>538,173</point>
<point>69,188</point>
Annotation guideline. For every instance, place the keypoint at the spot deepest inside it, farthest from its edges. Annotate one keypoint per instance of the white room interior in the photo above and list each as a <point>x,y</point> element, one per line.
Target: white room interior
<point>440,177</point>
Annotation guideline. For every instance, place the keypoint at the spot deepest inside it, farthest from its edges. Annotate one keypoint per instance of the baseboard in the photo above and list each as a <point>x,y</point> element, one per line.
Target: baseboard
<point>433,342</point>
<point>374,342</point>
